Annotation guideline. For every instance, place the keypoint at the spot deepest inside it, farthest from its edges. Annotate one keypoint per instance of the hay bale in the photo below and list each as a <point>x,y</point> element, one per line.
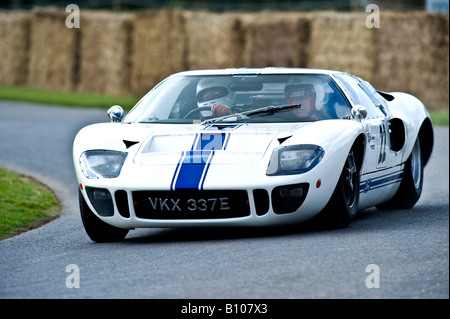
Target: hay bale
<point>413,56</point>
<point>53,51</point>
<point>105,53</point>
<point>159,47</point>
<point>341,41</point>
<point>276,40</point>
<point>14,34</point>
<point>215,40</point>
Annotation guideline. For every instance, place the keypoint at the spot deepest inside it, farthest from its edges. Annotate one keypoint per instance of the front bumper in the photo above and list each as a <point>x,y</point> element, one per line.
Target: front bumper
<point>144,196</point>
<point>255,206</point>
<point>192,204</point>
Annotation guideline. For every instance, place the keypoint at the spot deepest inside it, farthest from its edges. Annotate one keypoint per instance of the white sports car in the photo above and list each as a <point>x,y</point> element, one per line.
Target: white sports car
<point>251,147</point>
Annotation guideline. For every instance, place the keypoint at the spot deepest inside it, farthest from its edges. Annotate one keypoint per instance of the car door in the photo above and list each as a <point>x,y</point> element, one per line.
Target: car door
<point>375,123</point>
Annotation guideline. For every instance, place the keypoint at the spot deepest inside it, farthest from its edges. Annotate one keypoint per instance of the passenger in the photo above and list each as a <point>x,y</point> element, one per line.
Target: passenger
<point>304,94</point>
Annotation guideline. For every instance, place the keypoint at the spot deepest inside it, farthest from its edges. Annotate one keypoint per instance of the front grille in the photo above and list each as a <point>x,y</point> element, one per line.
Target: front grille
<point>191,204</point>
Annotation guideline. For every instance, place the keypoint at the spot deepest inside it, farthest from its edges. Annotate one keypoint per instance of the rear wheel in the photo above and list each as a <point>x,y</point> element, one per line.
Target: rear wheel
<point>411,185</point>
<point>96,229</point>
<point>343,205</point>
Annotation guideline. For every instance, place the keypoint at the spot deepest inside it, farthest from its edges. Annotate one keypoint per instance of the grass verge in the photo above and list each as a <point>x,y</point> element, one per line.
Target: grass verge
<point>26,94</point>
<point>24,204</point>
<point>439,118</point>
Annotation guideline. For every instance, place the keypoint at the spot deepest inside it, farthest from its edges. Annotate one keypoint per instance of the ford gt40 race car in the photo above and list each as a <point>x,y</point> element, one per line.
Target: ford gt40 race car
<point>251,147</point>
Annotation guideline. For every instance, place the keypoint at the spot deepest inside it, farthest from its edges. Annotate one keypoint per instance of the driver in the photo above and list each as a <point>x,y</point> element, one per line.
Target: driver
<point>213,92</point>
<point>304,94</point>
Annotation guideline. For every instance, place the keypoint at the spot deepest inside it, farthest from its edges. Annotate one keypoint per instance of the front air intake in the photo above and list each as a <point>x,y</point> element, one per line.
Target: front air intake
<point>261,198</point>
<point>122,203</point>
<point>101,199</point>
<point>287,199</point>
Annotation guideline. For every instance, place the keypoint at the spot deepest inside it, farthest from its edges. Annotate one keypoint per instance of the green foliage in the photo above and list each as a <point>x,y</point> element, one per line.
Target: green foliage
<point>439,118</point>
<point>26,94</point>
<point>24,203</point>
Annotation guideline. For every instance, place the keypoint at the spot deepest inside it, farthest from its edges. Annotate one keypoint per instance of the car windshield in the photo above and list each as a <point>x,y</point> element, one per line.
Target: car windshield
<point>262,98</point>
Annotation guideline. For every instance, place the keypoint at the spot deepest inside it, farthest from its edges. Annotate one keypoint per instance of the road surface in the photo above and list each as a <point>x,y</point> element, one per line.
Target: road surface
<point>389,254</point>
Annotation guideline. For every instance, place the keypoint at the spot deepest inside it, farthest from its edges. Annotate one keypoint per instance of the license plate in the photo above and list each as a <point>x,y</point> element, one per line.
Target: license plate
<point>188,204</point>
<point>159,204</point>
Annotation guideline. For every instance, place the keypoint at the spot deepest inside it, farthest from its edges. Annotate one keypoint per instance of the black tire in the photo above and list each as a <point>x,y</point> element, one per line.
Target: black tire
<point>343,205</point>
<point>411,185</point>
<point>96,229</point>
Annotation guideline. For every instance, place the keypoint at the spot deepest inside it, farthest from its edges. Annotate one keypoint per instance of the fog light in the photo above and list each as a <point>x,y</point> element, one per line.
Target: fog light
<point>101,199</point>
<point>287,192</point>
<point>287,199</point>
<point>101,194</point>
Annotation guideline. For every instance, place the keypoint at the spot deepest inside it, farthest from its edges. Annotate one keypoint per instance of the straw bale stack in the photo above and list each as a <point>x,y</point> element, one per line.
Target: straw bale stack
<point>276,40</point>
<point>14,35</point>
<point>120,53</point>
<point>53,51</point>
<point>159,47</point>
<point>341,41</point>
<point>215,40</point>
<point>413,56</point>
<point>105,53</point>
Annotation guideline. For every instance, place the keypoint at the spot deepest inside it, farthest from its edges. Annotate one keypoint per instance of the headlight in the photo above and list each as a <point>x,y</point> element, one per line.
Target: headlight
<point>102,163</point>
<point>294,159</point>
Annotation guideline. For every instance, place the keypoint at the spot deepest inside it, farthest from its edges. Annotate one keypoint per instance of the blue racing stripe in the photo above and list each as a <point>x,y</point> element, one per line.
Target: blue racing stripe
<point>191,170</point>
<point>177,170</point>
<point>381,181</point>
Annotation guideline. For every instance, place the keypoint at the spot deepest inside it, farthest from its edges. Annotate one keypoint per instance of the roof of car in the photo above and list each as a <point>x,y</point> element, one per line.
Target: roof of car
<point>254,71</point>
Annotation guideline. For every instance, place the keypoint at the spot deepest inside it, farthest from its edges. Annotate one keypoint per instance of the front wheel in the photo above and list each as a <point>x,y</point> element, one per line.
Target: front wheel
<point>343,205</point>
<point>410,187</point>
<point>96,229</point>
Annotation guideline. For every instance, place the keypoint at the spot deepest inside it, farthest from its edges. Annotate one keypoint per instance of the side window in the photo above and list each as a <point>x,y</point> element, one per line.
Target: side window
<point>376,98</point>
<point>359,96</point>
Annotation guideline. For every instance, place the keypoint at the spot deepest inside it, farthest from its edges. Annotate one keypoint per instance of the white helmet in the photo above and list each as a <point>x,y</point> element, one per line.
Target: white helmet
<point>307,84</point>
<point>214,90</point>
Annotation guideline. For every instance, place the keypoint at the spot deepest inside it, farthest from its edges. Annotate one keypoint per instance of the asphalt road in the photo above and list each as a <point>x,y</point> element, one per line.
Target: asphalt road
<point>409,248</point>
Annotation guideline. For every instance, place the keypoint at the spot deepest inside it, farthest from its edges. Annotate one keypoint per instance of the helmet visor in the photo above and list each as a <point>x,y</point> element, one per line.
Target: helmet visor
<point>212,93</point>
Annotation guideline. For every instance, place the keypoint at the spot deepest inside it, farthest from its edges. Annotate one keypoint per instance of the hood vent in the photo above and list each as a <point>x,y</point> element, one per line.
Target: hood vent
<point>282,139</point>
<point>128,144</point>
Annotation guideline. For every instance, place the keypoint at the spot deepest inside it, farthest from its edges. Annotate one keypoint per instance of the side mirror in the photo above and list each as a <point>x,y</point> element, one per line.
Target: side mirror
<point>116,113</point>
<point>359,112</point>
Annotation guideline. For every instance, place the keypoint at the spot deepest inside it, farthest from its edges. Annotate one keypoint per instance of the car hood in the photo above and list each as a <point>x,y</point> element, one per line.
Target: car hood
<point>227,143</point>
<point>151,144</point>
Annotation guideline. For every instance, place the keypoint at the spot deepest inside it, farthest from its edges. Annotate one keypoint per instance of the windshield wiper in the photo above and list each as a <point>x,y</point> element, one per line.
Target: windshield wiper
<point>271,109</point>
